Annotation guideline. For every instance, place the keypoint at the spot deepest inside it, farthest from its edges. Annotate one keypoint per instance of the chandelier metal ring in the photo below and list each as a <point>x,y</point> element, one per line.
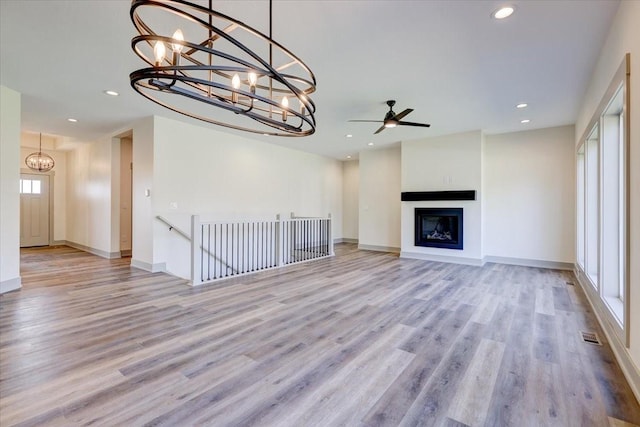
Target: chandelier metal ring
<point>266,93</point>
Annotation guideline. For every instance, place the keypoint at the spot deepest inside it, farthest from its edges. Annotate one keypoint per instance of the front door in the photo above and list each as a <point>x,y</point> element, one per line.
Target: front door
<point>34,210</point>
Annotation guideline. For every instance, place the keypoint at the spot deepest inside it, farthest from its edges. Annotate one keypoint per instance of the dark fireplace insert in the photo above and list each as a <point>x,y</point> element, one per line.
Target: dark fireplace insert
<point>438,227</point>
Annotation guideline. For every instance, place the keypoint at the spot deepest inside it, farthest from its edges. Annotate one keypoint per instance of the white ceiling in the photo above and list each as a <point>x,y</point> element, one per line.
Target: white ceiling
<point>458,68</point>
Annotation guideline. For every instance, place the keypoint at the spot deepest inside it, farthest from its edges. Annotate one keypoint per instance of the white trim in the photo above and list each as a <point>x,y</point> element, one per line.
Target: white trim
<point>98,252</point>
<point>442,258</point>
<point>554,265</point>
<point>160,267</point>
<point>345,240</point>
<point>10,285</point>
<point>379,248</point>
<point>613,334</point>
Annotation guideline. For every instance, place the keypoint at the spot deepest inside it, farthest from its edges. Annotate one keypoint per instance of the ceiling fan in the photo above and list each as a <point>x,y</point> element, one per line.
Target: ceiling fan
<point>391,119</point>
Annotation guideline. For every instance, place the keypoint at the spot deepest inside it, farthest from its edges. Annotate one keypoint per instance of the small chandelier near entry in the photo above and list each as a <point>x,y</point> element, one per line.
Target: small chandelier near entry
<point>40,161</point>
<point>218,61</point>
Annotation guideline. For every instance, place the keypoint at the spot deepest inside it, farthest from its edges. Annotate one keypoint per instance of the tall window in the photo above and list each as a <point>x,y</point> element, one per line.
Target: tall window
<point>601,202</point>
<point>580,223</point>
<point>592,214</point>
<point>613,206</point>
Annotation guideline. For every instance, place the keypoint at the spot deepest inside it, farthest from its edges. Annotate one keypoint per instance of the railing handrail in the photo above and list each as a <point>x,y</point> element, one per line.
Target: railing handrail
<point>186,236</point>
<point>250,221</point>
<point>272,243</point>
<point>173,227</point>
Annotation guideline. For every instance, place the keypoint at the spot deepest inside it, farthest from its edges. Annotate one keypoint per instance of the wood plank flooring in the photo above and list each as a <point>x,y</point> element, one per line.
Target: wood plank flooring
<point>360,339</point>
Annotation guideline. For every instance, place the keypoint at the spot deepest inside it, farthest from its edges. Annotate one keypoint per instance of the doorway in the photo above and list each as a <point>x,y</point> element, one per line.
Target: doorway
<point>34,210</point>
<point>126,181</point>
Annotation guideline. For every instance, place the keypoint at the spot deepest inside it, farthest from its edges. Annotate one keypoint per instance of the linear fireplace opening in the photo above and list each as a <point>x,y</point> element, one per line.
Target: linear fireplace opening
<point>439,227</point>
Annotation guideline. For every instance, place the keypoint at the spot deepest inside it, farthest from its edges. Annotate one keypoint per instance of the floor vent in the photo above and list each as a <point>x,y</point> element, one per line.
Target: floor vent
<point>590,337</point>
<point>570,283</point>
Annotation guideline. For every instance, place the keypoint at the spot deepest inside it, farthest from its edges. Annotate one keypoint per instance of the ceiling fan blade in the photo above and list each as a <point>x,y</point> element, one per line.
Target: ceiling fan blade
<point>402,114</point>
<point>383,127</point>
<point>366,121</point>
<point>422,125</point>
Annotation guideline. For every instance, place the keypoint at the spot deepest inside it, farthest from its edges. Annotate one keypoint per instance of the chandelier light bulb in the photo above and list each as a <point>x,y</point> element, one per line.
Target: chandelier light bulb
<point>253,79</point>
<point>285,104</point>
<point>159,52</point>
<point>177,47</point>
<point>235,82</point>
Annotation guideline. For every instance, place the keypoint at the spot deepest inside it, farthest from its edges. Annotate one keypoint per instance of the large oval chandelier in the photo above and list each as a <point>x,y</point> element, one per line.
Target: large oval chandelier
<point>40,161</point>
<point>200,58</point>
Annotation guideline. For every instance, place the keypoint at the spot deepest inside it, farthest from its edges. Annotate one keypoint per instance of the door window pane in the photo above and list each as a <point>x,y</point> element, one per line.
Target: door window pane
<point>35,186</point>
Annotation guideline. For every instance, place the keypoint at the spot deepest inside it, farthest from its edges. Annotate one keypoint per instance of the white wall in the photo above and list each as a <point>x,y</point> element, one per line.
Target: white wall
<point>624,37</point>
<point>350,197</point>
<point>219,176</point>
<point>59,185</point>
<point>379,204</point>
<point>10,102</point>
<point>89,174</point>
<point>142,211</point>
<point>528,201</point>
<point>445,163</point>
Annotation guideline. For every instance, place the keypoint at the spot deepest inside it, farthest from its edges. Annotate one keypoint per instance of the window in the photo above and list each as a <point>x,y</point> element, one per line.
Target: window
<point>613,206</point>
<point>30,186</point>
<point>592,216</point>
<point>580,171</point>
<point>602,204</point>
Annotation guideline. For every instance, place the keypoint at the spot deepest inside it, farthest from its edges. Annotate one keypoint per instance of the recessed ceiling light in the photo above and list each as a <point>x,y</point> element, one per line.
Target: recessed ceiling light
<point>503,12</point>
<point>522,105</point>
<point>111,93</point>
<point>72,120</point>
<point>349,135</point>
<point>371,143</point>
<point>348,157</point>
<point>525,121</point>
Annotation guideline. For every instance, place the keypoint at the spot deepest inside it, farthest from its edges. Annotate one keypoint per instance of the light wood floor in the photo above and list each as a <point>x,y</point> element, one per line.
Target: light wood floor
<point>363,338</point>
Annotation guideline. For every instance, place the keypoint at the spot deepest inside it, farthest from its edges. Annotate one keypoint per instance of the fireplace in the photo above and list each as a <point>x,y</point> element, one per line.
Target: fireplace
<point>438,227</point>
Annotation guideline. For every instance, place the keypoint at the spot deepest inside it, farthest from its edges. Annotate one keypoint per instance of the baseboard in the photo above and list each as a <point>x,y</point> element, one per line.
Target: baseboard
<point>98,252</point>
<point>554,265</point>
<point>442,258</point>
<point>160,267</point>
<point>620,351</point>
<point>345,240</point>
<point>10,285</point>
<point>125,253</point>
<point>379,248</point>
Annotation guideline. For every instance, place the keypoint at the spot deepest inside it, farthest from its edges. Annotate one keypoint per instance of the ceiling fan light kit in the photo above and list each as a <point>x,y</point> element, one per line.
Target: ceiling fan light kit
<point>391,119</point>
<point>211,59</point>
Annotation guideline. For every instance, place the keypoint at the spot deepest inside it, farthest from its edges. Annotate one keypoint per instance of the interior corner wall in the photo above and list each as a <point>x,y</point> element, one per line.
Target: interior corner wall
<point>220,176</point>
<point>10,116</point>
<point>350,197</point>
<point>623,37</point>
<point>529,193</point>
<point>379,203</point>
<point>445,163</point>
<point>88,189</point>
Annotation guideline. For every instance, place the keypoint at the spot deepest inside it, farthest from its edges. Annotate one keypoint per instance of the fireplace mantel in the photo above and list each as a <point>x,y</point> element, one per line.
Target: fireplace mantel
<point>416,196</point>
